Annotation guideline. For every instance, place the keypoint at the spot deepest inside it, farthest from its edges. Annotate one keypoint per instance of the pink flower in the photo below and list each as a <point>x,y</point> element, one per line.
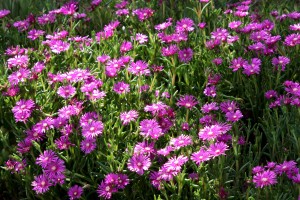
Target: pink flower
<point>264,179</point>
<point>234,116</point>
<point>184,25</point>
<point>121,87</point>
<point>185,55</point>
<point>129,116</point>
<point>66,91</point>
<point>139,163</point>
<point>217,149</point>
<point>187,101</point>
<point>143,13</point>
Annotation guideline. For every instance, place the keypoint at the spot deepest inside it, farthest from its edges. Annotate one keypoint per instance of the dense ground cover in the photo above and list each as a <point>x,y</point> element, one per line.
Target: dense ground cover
<point>194,99</point>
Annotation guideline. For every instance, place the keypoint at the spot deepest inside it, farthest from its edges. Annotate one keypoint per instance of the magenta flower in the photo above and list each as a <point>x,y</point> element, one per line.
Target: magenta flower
<point>200,156</point>
<point>187,101</point>
<point>139,163</point>
<point>156,108</point>
<point>217,149</point>
<point>234,25</point>
<point>66,91</point>
<point>41,184</point>
<point>264,179</point>
<point>63,142</point>
<point>4,13</point>
<point>144,148</point>
<point>185,55</point>
<point>68,9</point>
<point>129,116</point>
<point>23,109</point>
<point>75,192</point>
<point>45,158</point>
<point>220,34</point>
<point>93,129</point>
<point>253,68</point>
<point>285,167</point>
<point>125,46</point>
<point>88,145</point>
<point>210,91</point>
<point>55,167</point>
<point>106,190</point>
<point>202,25</point>
<point>122,12</point>
<point>46,19</point>
<point>163,26</point>
<point>18,61</point>
<point>34,34</point>
<point>121,87</point>
<point>143,13</point>
<point>150,128</point>
<point>139,68</point>
<point>208,107</point>
<point>181,141</point>
<point>184,25</point>
<point>103,59</point>
<point>58,46</point>
<point>169,51</point>
<point>165,151</point>
<point>228,106</point>
<point>234,116</point>
<point>211,132</point>
<point>141,38</point>
<point>237,63</point>
<point>281,62</point>
<point>292,39</point>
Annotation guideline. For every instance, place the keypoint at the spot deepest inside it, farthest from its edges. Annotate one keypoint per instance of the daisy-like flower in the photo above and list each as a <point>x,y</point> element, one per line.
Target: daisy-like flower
<point>139,68</point>
<point>228,106</point>
<point>181,141</point>
<point>93,129</point>
<point>143,13</point>
<point>106,190</point>
<point>55,167</point>
<point>163,26</point>
<point>169,51</point>
<point>285,167</point>
<point>46,19</point>
<point>211,132</point>
<point>88,145</point>
<point>34,34</point>
<point>121,12</point>
<point>200,156</point>
<point>141,38</point>
<point>150,128</point>
<point>125,46</point>
<point>185,55</point>
<point>210,91</point>
<point>253,68</point>
<point>281,61</point>
<point>165,151</point>
<point>184,25</point>
<point>217,149</point>
<point>144,148</point>
<point>234,25</point>
<point>103,58</point>
<point>66,91</point>
<point>139,163</point>
<point>22,110</point>
<point>4,13</point>
<point>41,184</point>
<point>63,142</point>
<point>58,46</point>
<point>19,76</point>
<point>208,107</point>
<point>18,61</point>
<point>295,27</point>
<point>188,101</point>
<point>121,87</point>
<point>75,192</point>
<point>264,179</point>
<point>156,108</point>
<point>129,116</point>
<point>237,63</point>
<point>234,116</point>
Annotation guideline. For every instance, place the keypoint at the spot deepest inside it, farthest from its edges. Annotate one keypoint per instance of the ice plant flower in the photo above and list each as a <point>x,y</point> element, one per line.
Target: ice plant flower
<point>217,149</point>
<point>200,156</point>
<point>265,178</point>
<point>121,87</point>
<point>181,141</point>
<point>88,145</point>
<point>150,128</point>
<point>234,116</point>
<point>184,25</point>
<point>23,109</point>
<point>41,184</point>
<point>129,116</point>
<point>185,55</point>
<point>75,192</point>
<point>139,68</point>
<point>188,101</point>
<point>139,163</point>
<point>66,91</point>
<point>93,129</point>
<point>143,13</point>
<point>4,13</point>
